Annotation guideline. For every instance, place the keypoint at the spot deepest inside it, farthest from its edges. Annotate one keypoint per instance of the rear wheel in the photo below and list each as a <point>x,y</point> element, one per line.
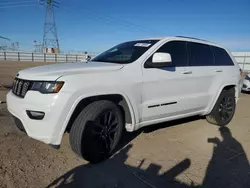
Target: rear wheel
<point>97,131</point>
<point>224,109</point>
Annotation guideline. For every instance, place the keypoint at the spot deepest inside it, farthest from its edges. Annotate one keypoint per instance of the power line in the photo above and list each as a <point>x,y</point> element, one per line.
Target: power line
<point>16,6</point>
<point>109,20</point>
<point>17,2</point>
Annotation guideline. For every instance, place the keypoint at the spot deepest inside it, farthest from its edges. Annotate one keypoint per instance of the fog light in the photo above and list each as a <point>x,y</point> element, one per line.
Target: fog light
<point>35,114</point>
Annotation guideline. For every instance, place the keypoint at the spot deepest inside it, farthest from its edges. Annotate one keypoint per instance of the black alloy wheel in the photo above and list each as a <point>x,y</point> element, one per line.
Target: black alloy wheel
<point>226,108</point>
<point>97,131</point>
<point>104,131</point>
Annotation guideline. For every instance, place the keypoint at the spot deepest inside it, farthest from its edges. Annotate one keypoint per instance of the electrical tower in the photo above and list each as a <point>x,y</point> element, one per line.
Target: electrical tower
<point>3,43</point>
<point>37,46</point>
<point>50,39</point>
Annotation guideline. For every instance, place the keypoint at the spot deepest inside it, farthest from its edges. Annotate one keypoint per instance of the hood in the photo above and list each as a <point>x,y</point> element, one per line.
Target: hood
<point>53,72</point>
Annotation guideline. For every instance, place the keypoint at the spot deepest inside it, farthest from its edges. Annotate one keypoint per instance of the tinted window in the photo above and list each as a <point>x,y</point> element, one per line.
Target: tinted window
<point>200,54</point>
<point>126,52</point>
<point>221,57</point>
<point>177,50</point>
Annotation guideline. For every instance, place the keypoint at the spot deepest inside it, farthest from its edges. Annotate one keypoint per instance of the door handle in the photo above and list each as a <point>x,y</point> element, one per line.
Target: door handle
<point>219,70</point>
<point>187,72</point>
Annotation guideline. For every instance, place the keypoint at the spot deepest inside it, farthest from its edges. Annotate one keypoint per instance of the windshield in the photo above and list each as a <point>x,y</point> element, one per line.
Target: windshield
<point>126,52</point>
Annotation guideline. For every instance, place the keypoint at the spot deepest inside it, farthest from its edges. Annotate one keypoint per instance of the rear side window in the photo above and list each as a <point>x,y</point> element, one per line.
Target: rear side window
<point>177,50</point>
<point>200,55</point>
<point>221,57</point>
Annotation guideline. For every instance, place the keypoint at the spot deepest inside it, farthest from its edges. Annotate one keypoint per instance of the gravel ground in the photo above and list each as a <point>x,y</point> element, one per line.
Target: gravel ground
<point>184,153</point>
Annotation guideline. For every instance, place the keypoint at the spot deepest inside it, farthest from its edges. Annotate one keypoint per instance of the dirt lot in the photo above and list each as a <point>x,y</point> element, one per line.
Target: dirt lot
<point>186,153</point>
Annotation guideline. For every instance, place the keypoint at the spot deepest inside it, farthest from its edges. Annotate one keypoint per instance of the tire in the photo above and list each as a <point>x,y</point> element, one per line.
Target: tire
<point>96,131</point>
<point>224,109</point>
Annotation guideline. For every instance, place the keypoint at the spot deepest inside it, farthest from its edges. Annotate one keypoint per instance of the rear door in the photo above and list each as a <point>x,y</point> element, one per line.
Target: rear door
<point>225,71</point>
<point>202,75</point>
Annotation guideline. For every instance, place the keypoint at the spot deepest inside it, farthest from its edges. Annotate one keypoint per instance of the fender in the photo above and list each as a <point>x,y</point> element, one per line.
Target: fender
<point>80,98</point>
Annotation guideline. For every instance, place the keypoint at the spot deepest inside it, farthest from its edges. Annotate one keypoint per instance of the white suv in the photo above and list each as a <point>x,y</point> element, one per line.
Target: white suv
<point>132,85</point>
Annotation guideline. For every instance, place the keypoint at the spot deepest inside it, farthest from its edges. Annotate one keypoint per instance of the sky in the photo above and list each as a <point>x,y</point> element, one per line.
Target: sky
<point>95,25</point>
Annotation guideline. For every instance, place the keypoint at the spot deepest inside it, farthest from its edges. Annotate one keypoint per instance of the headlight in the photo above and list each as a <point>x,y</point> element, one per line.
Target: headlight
<point>47,87</point>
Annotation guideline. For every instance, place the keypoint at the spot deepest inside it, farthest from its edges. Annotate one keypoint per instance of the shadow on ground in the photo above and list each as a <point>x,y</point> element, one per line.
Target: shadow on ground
<point>227,168</point>
<point>3,110</point>
<point>155,127</point>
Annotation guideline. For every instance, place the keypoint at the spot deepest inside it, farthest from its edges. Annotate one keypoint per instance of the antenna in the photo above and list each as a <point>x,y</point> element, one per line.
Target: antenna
<point>50,39</point>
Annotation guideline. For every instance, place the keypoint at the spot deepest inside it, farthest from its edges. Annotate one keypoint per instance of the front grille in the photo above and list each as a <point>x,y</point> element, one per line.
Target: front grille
<point>20,87</point>
<point>244,86</point>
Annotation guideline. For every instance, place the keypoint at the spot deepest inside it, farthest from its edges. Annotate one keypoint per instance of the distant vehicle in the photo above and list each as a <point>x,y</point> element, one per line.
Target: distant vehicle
<point>246,83</point>
<point>132,85</point>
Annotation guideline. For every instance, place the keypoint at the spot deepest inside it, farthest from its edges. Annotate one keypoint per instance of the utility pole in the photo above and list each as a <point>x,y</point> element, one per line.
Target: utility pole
<point>50,39</point>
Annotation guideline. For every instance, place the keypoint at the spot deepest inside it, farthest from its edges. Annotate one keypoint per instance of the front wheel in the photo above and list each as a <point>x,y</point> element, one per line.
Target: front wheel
<point>97,131</point>
<point>224,109</point>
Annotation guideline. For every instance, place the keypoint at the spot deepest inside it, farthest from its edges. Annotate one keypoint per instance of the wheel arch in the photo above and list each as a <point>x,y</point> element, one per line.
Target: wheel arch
<point>224,87</point>
<point>121,99</point>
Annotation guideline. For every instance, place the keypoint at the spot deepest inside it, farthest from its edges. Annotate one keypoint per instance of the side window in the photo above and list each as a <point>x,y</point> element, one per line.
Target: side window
<point>221,57</point>
<point>177,50</point>
<point>200,54</point>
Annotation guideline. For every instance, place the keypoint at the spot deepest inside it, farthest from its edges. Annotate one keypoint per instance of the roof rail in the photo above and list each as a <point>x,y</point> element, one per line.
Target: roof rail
<point>192,38</point>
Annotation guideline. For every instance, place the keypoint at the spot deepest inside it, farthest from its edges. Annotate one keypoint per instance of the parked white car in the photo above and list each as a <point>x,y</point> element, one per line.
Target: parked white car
<point>246,83</point>
<point>132,85</point>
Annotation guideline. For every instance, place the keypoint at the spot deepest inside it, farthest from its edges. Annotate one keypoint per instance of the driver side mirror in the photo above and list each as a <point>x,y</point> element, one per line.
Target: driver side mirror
<point>161,59</point>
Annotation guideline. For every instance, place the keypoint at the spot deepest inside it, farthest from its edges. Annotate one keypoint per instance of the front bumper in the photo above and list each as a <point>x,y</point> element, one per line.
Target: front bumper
<point>19,124</point>
<point>47,130</point>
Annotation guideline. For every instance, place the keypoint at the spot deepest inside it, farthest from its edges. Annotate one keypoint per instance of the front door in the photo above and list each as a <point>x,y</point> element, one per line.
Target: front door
<point>164,89</point>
